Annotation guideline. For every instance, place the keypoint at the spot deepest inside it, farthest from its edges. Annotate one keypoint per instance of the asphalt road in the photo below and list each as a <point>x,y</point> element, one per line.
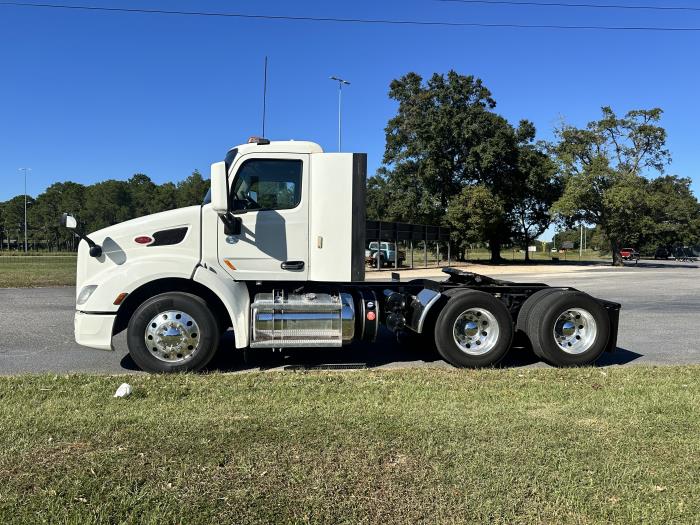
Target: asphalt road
<point>659,324</point>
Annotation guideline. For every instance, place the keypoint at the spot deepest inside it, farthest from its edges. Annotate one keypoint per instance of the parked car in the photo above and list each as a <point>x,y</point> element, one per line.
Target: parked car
<point>662,252</point>
<point>629,254</point>
<point>386,253</point>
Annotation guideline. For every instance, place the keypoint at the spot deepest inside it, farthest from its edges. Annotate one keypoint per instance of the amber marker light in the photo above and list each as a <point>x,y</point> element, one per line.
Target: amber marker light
<point>229,264</point>
<point>120,298</point>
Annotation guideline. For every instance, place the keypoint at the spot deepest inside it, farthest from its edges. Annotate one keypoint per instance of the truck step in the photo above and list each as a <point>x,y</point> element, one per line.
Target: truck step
<point>328,366</point>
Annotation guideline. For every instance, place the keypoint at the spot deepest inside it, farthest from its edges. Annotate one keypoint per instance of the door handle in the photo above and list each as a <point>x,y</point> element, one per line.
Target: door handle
<point>293,265</point>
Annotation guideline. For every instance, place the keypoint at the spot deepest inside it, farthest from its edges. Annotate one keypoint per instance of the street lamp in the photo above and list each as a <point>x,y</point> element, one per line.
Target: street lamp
<point>340,105</point>
<point>25,170</point>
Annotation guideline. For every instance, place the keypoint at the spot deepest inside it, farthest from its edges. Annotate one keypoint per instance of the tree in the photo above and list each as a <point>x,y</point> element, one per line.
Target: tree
<point>444,138</point>
<point>165,197</point>
<point>142,192</point>
<point>475,214</point>
<point>670,214</point>
<point>96,206</point>
<point>106,203</point>
<point>603,166</point>
<point>13,217</point>
<point>2,225</point>
<point>542,187</point>
<point>58,198</point>
<point>401,197</point>
<point>192,190</point>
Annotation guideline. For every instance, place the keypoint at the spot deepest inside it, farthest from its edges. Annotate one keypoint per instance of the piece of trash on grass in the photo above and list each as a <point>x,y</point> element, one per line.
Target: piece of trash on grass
<point>124,390</point>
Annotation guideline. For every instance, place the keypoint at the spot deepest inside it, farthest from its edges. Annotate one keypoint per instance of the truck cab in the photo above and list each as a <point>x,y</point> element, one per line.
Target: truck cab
<point>276,253</point>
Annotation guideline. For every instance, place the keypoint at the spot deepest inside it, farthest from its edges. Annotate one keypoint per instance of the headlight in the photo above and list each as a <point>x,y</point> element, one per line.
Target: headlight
<point>85,293</point>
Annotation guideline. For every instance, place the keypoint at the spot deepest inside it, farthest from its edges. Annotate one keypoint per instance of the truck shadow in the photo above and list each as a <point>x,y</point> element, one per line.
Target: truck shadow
<point>410,351</point>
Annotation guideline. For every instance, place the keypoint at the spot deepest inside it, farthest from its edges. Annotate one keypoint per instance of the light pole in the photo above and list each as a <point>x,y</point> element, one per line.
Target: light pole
<point>340,106</point>
<point>25,170</point>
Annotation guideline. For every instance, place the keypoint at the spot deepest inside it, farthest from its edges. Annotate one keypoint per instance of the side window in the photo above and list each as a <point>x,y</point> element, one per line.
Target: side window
<point>267,184</point>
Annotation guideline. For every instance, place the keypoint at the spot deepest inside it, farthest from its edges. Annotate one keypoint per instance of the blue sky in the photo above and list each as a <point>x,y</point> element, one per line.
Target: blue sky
<point>88,96</point>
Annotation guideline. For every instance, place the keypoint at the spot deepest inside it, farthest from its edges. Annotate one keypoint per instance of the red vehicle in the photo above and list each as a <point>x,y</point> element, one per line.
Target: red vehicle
<point>629,254</point>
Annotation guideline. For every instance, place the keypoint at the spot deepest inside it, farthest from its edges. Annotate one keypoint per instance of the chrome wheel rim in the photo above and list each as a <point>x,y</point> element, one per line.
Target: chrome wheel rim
<point>172,336</point>
<point>475,331</point>
<point>575,331</point>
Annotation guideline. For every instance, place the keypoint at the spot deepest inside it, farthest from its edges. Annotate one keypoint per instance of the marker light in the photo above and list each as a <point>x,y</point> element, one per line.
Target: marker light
<point>143,239</point>
<point>120,298</point>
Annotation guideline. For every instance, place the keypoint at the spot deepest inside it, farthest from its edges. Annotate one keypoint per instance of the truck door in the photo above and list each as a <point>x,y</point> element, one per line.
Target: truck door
<point>270,193</point>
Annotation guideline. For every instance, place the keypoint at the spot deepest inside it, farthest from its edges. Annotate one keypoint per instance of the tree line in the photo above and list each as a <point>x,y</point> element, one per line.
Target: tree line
<point>95,206</point>
<point>451,160</point>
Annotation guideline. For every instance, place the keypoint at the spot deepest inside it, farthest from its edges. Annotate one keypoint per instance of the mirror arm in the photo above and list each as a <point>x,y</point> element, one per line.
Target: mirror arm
<point>95,249</point>
<point>232,224</point>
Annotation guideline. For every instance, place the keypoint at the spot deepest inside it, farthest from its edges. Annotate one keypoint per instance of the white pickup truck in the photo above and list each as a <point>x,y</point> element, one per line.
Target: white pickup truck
<point>276,253</point>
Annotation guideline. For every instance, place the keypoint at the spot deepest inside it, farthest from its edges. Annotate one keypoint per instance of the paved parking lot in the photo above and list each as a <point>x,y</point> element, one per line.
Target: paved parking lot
<point>660,324</point>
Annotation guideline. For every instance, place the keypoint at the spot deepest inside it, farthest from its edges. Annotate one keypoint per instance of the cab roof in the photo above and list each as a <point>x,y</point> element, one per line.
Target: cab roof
<point>279,146</point>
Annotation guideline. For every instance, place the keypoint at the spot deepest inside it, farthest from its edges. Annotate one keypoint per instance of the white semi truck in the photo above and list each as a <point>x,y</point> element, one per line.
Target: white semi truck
<point>276,253</point>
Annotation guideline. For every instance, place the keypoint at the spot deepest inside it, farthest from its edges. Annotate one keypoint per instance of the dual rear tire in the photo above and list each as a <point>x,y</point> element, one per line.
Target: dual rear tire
<point>565,328</point>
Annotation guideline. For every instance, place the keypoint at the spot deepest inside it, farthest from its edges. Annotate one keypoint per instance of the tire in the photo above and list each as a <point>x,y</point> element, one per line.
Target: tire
<point>379,258</point>
<point>461,343</point>
<point>183,331</point>
<point>565,346</point>
<point>527,307</point>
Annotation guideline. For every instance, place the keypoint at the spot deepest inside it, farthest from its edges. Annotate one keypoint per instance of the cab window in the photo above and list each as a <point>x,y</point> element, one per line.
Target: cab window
<point>267,184</point>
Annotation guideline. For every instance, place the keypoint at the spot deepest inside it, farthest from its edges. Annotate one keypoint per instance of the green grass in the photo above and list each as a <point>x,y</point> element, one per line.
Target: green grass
<point>520,446</point>
<point>43,270</point>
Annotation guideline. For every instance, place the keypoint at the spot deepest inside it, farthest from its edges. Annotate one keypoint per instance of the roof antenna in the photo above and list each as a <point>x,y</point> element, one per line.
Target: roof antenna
<point>264,97</point>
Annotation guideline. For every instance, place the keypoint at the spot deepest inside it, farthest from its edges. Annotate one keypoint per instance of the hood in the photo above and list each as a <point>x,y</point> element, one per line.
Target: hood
<point>173,233</point>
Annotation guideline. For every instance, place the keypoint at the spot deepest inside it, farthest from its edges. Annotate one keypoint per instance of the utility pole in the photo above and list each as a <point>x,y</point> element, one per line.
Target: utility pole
<point>25,170</point>
<point>580,242</point>
<point>340,108</point>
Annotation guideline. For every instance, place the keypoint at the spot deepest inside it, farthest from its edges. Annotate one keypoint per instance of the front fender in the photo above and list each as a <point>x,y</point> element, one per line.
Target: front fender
<point>114,280</point>
<point>236,299</point>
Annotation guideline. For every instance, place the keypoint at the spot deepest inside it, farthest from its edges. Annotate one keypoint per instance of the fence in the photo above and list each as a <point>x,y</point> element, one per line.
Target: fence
<point>402,245</point>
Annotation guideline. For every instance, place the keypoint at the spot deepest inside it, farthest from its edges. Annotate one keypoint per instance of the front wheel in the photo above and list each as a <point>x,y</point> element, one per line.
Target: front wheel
<point>473,330</point>
<point>172,332</point>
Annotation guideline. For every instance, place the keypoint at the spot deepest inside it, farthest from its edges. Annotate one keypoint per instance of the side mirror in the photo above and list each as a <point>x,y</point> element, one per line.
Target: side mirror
<point>219,188</point>
<point>68,221</point>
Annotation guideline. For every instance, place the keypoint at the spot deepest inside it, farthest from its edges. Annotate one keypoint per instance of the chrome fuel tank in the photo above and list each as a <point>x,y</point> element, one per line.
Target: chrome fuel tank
<point>282,320</point>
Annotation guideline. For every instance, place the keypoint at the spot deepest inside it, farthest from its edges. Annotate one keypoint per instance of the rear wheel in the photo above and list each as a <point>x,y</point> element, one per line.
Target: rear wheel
<point>527,307</point>
<point>172,332</point>
<point>568,328</point>
<point>474,329</point>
